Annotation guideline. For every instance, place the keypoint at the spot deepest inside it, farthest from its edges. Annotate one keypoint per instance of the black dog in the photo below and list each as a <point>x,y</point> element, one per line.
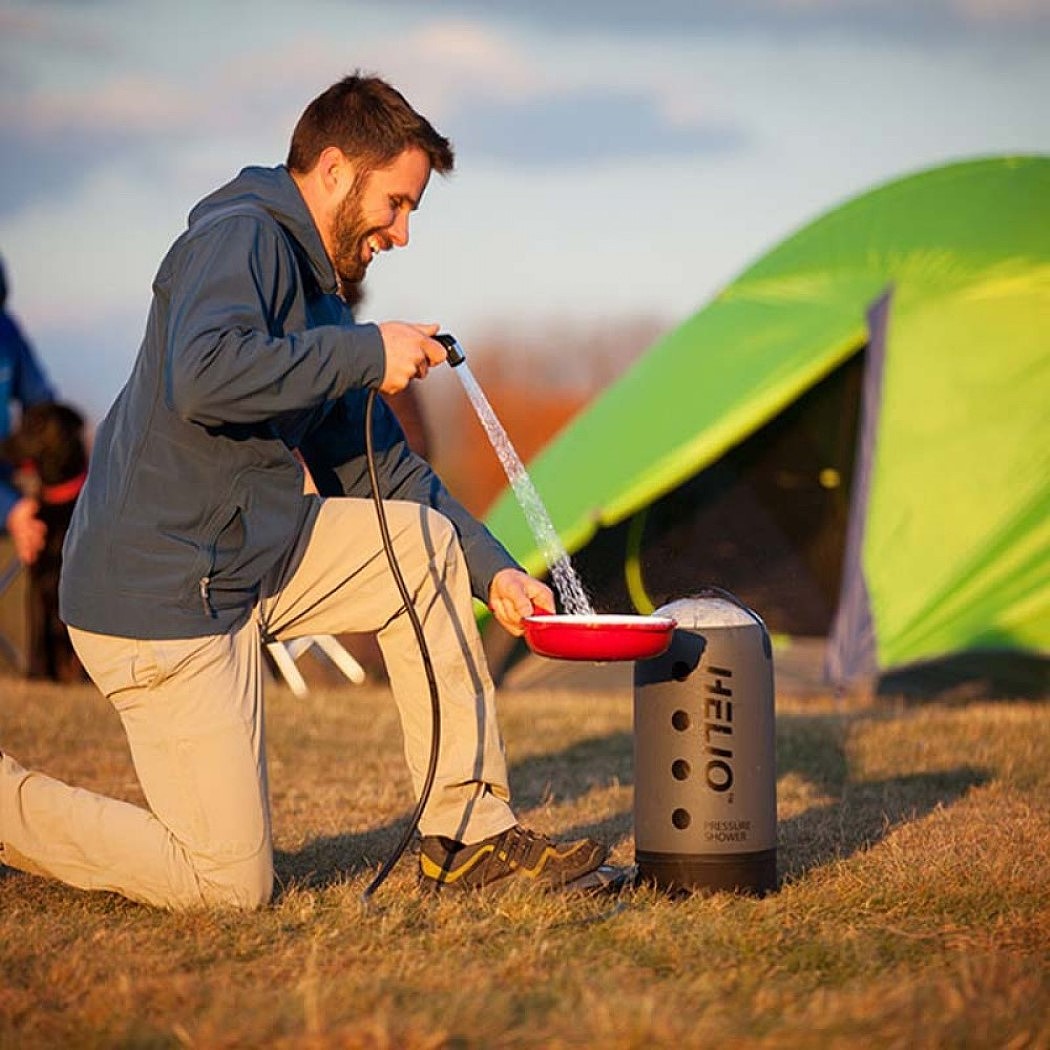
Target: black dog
<point>49,456</point>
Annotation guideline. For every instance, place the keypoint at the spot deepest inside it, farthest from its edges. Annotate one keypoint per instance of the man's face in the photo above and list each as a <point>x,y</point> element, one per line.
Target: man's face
<point>373,216</point>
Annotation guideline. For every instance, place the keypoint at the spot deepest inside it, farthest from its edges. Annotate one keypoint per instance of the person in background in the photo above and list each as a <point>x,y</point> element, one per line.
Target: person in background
<point>195,538</point>
<point>22,381</point>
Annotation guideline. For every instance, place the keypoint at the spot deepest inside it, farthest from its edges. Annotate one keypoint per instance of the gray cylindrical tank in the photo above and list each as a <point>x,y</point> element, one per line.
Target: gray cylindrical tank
<point>705,807</point>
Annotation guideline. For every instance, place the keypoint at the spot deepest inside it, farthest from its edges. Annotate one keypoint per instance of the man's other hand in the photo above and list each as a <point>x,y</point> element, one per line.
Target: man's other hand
<point>514,594</point>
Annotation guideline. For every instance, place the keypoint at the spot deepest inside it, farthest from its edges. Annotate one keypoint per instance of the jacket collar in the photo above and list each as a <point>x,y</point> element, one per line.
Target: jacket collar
<point>275,191</point>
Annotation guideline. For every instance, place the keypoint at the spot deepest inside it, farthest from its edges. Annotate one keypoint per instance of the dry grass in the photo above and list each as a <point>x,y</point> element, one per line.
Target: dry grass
<point>914,911</point>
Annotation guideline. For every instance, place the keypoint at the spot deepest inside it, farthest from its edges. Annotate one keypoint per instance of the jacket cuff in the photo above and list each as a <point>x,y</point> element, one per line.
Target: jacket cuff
<point>368,354</point>
<point>484,560</point>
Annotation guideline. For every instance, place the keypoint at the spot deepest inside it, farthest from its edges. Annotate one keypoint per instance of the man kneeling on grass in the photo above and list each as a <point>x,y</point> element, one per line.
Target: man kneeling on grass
<point>194,541</point>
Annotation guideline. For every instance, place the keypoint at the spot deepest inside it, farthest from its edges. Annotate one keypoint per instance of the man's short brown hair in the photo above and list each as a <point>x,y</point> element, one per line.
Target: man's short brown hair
<point>371,122</point>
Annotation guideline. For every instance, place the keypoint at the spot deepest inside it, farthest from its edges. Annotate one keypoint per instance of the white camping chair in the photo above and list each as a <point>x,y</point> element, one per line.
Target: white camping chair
<point>286,653</point>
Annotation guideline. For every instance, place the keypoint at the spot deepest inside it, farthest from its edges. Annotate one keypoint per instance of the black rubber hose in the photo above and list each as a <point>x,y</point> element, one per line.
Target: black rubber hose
<point>424,652</point>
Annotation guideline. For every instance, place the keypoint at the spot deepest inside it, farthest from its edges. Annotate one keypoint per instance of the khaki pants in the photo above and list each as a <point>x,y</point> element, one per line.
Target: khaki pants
<point>193,713</point>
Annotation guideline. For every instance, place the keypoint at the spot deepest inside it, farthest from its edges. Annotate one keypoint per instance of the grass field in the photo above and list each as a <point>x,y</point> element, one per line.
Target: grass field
<point>914,910</point>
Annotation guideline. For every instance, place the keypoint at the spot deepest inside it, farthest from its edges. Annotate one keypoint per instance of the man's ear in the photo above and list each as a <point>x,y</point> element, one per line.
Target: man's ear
<point>335,171</point>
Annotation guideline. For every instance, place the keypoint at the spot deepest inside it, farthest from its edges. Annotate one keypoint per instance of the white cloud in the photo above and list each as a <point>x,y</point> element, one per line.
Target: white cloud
<point>79,257</point>
<point>461,58</point>
<point>23,25</point>
<point>1003,11</point>
<point>875,21</point>
<point>130,103</point>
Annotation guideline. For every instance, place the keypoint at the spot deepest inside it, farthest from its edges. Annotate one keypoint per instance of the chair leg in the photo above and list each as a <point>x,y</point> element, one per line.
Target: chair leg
<point>286,665</point>
<point>286,653</point>
<point>340,657</point>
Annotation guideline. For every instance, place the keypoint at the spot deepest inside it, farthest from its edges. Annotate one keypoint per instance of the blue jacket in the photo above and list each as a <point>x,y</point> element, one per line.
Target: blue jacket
<point>21,380</point>
<point>193,492</point>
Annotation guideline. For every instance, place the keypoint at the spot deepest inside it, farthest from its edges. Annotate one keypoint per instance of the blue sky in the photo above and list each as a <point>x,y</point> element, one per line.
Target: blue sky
<point>614,159</point>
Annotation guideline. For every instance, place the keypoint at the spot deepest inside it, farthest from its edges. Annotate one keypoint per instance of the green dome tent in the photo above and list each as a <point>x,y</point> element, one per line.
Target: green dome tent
<point>872,400</point>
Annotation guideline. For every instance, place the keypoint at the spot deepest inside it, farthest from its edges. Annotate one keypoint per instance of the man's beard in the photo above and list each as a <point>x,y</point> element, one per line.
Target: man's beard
<point>349,238</point>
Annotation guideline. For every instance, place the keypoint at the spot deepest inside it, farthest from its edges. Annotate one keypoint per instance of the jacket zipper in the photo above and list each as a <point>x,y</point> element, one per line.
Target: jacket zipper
<point>205,583</point>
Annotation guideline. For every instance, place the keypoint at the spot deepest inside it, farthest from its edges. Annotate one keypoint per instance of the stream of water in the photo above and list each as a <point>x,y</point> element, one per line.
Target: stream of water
<point>574,599</point>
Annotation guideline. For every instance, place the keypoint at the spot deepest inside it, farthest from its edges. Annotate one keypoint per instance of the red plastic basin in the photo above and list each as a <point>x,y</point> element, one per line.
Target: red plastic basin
<point>599,637</point>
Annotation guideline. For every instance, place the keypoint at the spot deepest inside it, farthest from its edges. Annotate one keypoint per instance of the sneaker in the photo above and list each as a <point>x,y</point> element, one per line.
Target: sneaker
<point>517,851</point>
